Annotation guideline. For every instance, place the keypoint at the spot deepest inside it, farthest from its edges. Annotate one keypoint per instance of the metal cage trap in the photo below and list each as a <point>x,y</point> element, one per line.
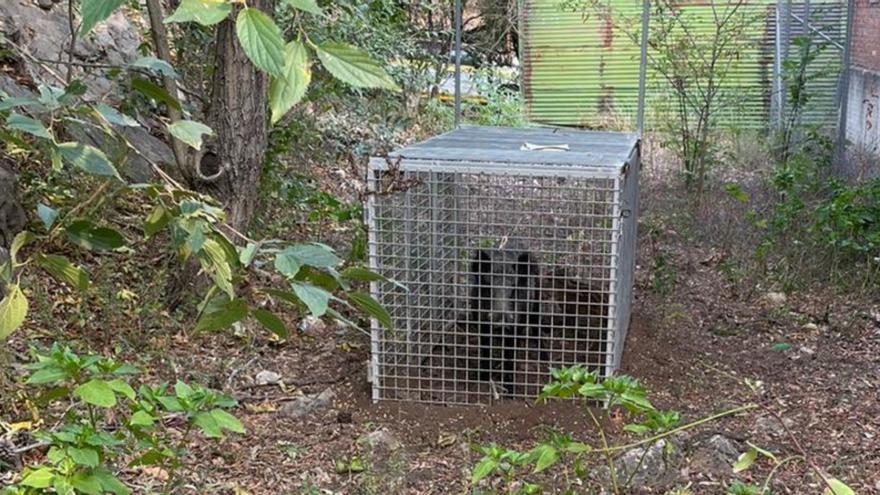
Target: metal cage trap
<point>516,257</point>
<point>510,252</point>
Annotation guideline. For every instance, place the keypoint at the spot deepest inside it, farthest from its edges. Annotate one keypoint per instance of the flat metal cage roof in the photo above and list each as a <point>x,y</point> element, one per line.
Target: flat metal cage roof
<point>507,150</point>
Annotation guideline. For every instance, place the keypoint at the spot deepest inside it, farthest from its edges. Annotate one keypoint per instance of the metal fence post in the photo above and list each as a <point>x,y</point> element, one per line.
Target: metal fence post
<point>643,68</point>
<point>458,29</point>
<point>837,167</point>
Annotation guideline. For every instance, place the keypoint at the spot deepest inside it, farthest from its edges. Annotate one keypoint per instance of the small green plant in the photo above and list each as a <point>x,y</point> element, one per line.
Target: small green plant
<point>107,424</point>
<point>663,275</point>
<point>617,394</point>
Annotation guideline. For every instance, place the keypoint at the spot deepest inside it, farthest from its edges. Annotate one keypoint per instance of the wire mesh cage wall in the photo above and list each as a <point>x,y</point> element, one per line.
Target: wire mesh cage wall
<point>510,252</point>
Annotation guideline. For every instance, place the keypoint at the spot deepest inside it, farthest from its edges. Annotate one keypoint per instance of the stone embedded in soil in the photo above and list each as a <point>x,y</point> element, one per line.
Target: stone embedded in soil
<point>307,404</point>
<point>311,324</point>
<point>775,299</point>
<point>267,377</point>
<point>382,439</point>
<point>769,425</point>
<point>714,457</point>
<point>659,468</point>
<point>45,4</point>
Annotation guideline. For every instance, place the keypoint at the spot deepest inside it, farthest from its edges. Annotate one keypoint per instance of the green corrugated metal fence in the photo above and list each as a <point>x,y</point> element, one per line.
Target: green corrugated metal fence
<point>583,69</point>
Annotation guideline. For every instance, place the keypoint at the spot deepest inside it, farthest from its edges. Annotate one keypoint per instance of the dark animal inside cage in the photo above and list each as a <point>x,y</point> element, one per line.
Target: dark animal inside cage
<point>527,321</point>
<point>505,305</point>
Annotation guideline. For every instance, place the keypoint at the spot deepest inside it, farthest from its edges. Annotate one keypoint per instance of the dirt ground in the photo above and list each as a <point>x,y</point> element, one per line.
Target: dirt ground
<point>817,354</point>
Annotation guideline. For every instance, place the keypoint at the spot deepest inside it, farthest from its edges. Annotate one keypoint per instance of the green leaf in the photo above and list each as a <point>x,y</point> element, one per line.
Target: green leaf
<point>246,255</point>
<point>62,270</point>
<point>156,221</point>
<point>10,103</point>
<point>88,158</point>
<point>315,298</point>
<point>271,322</point>
<point>49,374</point>
<point>96,392</point>
<point>837,488</point>
<point>86,483</point>
<point>141,418</point>
<point>114,117</point>
<point>781,346</point>
<point>637,429</point>
<point>285,296</point>
<point>122,387</point>
<point>287,263</point>
<point>214,260</point>
<point>204,12</point>
<point>39,478</point>
<point>229,313</point>
<point>109,482</point>
<point>227,421</point>
<point>483,468</point>
<point>353,66</point>
<point>310,6</point>
<point>261,40</point>
<point>95,11</point>
<point>84,456</point>
<point>29,125</point>
<point>190,132</point>
<point>19,241</point>
<point>208,424</point>
<point>366,303</point>
<point>47,215</point>
<point>156,65</point>
<point>745,460</point>
<point>315,255</point>
<point>736,192</point>
<point>13,310</point>
<point>286,91</point>
<point>547,456</point>
<point>85,234</point>
<point>154,92</point>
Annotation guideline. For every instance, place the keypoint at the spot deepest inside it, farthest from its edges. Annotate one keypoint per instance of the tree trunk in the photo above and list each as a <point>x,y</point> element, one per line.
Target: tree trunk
<point>230,167</point>
<point>12,217</point>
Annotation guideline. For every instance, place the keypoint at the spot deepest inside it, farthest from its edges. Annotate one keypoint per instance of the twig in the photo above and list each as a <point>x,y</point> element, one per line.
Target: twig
<point>799,448</point>
<point>160,40</point>
<point>607,452</point>
<point>28,448</point>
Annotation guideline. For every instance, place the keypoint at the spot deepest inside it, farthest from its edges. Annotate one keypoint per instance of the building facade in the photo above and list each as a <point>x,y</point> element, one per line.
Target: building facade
<point>863,107</point>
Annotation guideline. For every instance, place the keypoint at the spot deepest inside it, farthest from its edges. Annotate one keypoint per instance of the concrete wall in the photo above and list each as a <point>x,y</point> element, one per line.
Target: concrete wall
<point>863,123</point>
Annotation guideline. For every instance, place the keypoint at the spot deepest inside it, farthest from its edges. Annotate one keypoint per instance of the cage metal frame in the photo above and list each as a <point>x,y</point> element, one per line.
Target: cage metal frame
<point>621,170</point>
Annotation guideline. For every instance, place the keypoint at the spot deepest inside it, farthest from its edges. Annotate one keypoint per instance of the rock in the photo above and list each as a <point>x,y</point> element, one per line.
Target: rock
<point>658,469</point>
<point>807,350</point>
<point>775,299</point>
<point>306,404</point>
<point>382,439</point>
<point>267,377</point>
<point>811,327</point>
<point>714,456</point>
<point>42,30</point>
<point>312,324</point>
<point>771,426</point>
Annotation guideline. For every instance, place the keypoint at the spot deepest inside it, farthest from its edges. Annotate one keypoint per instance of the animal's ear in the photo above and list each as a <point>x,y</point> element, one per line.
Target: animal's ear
<point>481,266</point>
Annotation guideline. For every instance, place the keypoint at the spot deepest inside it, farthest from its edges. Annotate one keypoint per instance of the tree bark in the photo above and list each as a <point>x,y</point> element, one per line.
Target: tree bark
<point>230,167</point>
<point>12,216</point>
